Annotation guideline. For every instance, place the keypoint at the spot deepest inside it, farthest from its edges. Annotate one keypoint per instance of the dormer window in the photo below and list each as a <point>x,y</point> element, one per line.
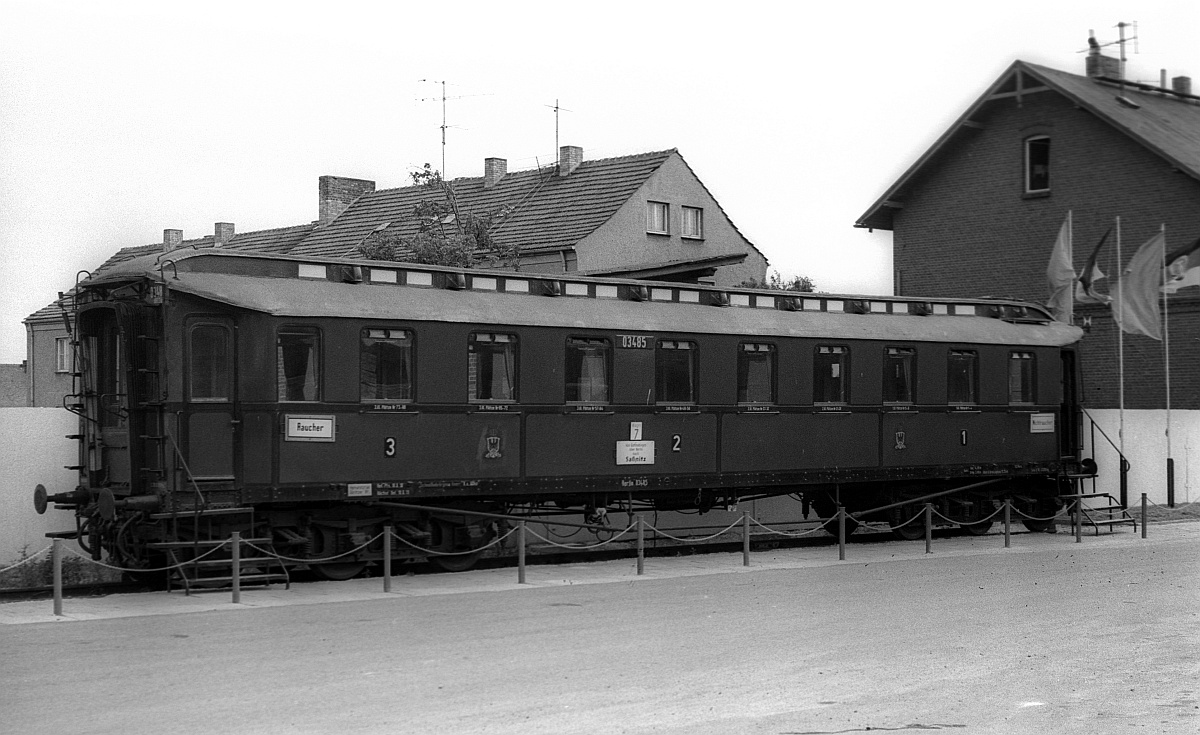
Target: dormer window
<point>1037,164</point>
<point>657,222</point>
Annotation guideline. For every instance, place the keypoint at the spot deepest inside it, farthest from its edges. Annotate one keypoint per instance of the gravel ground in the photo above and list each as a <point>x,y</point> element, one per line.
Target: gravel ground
<point>1050,636</point>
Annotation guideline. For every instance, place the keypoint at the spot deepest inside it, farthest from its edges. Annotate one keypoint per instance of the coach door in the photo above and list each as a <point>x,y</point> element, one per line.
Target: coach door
<point>211,398</point>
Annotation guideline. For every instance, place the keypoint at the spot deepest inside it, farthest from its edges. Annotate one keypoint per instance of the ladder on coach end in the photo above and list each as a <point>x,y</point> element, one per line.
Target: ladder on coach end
<point>204,563</point>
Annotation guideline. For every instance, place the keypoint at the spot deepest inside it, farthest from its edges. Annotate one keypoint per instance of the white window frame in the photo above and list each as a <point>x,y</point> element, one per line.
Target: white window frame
<point>686,231</point>
<point>64,356</point>
<point>652,221</point>
<point>1029,164</point>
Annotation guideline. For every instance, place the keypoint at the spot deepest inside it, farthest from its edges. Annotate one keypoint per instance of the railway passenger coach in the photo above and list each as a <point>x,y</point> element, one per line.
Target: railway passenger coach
<point>312,403</point>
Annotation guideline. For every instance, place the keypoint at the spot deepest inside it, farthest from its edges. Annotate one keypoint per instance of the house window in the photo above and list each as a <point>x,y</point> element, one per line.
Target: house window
<point>829,374</point>
<point>64,356</point>
<point>899,365</point>
<point>492,367</point>
<point>589,365</point>
<point>385,368</point>
<point>298,351</point>
<point>962,377</point>
<point>675,372</point>
<point>693,222</point>
<point>657,218</point>
<point>210,363</point>
<point>756,373</point>
<point>1037,164</point>
<point>1021,374</point>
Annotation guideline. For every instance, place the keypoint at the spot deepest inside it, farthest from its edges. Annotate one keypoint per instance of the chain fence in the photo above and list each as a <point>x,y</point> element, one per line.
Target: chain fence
<point>835,524</point>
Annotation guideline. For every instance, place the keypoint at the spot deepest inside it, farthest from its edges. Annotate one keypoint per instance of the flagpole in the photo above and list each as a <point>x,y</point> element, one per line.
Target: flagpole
<point>1120,320</point>
<point>1167,363</point>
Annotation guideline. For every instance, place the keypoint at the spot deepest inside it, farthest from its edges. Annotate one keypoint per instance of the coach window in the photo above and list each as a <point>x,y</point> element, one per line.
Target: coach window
<point>492,367</point>
<point>385,365</point>
<point>210,363</point>
<point>899,364</point>
<point>675,372</point>
<point>829,374</point>
<point>298,351</point>
<point>962,377</point>
<point>589,365</point>
<point>1021,373</point>
<point>756,373</point>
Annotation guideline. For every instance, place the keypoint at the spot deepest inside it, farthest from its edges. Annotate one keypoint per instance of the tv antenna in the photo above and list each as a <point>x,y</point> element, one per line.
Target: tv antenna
<point>557,109</point>
<point>443,126</point>
<point>1121,41</point>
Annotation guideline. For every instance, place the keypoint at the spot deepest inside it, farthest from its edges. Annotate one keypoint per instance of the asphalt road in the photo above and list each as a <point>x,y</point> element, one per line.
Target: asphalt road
<point>1099,637</point>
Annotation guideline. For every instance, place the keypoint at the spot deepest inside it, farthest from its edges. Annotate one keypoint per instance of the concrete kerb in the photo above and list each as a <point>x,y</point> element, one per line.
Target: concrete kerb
<point>549,576</point>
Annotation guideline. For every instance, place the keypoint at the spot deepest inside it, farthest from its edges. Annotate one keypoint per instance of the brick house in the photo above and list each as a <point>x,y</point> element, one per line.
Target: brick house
<point>978,212</point>
<point>640,216</point>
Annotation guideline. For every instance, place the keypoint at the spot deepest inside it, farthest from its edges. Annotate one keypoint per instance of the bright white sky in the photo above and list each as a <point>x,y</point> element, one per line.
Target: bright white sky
<point>119,119</point>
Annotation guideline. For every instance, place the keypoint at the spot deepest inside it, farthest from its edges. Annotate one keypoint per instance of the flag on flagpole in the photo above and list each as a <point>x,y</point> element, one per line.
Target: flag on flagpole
<point>1136,305</point>
<point>1060,274</point>
<point>1183,267</point>
<point>1085,287</point>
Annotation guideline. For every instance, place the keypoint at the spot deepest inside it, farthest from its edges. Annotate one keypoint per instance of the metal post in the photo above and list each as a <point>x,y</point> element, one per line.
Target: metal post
<point>641,545</point>
<point>1124,482</point>
<point>387,558</point>
<point>841,533</point>
<point>929,528</point>
<point>1007,522</point>
<point>1079,520</point>
<point>1143,515</point>
<point>521,552</point>
<point>745,538</point>
<point>56,554</point>
<point>236,562</point>
<point>1170,482</point>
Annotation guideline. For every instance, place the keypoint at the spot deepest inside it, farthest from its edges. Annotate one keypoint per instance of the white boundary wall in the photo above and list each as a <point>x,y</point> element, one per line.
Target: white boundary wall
<point>1146,449</point>
<point>34,449</point>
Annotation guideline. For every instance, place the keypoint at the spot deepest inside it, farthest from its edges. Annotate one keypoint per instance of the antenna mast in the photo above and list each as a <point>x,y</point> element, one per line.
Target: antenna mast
<point>557,109</point>
<point>434,99</point>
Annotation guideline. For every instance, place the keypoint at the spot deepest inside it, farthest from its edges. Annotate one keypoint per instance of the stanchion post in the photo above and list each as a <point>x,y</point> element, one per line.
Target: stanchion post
<point>1007,522</point>
<point>1144,515</point>
<point>745,538</point>
<point>841,513</point>
<point>56,556</point>
<point>521,552</point>
<point>387,558</point>
<point>1078,520</point>
<point>929,528</point>
<point>641,547</point>
<point>235,554</point>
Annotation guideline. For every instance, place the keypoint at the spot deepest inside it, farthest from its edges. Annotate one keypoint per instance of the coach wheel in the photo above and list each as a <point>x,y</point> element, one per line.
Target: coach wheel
<point>977,529</point>
<point>1037,525</point>
<point>453,538</point>
<point>339,571</point>
<point>911,531</point>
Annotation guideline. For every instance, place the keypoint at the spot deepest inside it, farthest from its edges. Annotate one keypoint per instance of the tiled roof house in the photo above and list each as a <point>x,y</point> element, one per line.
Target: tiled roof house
<point>640,216</point>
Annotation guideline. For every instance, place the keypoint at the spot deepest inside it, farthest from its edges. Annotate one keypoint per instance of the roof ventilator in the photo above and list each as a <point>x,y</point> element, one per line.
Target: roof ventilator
<point>790,303</point>
<point>453,281</point>
<point>634,293</point>
<point>352,274</point>
<point>920,308</point>
<point>857,307</point>
<point>718,298</point>
<point>547,288</point>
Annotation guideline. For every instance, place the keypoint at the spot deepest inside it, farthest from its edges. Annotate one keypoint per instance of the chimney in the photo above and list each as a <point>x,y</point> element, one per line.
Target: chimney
<point>1181,85</point>
<point>222,234</point>
<point>1098,65</point>
<point>172,239</point>
<point>569,158</point>
<point>337,193</point>
<point>494,169</point>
